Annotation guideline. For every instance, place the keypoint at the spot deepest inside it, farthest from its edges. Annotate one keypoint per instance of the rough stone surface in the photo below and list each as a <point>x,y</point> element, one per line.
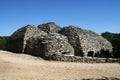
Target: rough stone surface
<point>48,45</point>
<point>50,27</point>
<point>87,43</point>
<point>17,41</point>
<point>84,59</point>
<point>49,40</point>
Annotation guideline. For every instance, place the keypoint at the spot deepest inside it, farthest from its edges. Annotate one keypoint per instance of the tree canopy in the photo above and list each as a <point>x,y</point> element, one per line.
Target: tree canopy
<point>3,40</point>
<point>114,38</point>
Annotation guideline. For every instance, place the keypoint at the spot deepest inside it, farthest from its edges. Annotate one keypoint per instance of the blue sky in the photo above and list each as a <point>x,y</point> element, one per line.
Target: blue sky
<point>96,15</point>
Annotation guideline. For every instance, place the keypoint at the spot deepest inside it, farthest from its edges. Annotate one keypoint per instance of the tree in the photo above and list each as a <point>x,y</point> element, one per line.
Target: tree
<point>3,40</point>
<point>114,38</point>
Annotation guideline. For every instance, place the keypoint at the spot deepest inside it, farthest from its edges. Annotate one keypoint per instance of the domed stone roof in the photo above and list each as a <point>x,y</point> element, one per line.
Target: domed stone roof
<point>50,27</point>
<point>48,39</point>
<point>86,43</point>
<point>17,40</point>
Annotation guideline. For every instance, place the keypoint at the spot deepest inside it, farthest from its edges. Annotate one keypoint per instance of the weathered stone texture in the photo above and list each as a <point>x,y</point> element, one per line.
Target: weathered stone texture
<point>17,41</point>
<point>48,45</point>
<point>84,59</point>
<point>50,27</point>
<point>49,39</point>
<point>87,43</point>
<point>73,34</point>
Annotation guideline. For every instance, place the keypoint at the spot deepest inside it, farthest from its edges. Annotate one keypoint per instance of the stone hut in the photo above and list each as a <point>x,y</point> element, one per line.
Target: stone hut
<point>17,40</point>
<point>87,43</point>
<point>50,27</point>
<point>49,39</point>
<point>48,45</point>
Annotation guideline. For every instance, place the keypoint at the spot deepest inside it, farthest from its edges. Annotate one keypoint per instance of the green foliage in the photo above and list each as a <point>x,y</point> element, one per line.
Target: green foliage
<point>114,38</point>
<point>3,40</point>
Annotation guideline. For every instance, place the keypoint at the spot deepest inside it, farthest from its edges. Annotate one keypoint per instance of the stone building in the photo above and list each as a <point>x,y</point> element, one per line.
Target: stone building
<point>48,45</point>
<point>87,43</point>
<point>17,40</point>
<point>50,27</point>
<point>49,39</point>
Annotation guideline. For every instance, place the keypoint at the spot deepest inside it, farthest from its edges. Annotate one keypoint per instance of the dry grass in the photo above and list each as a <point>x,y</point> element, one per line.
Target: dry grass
<point>25,67</point>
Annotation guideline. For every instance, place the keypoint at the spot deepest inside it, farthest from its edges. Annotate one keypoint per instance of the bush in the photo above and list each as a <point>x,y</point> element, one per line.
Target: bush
<point>114,38</point>
<point>3,41</point>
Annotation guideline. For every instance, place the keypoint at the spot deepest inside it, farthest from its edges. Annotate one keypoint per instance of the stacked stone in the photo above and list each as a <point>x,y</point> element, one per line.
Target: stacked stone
<point>50,27</point>
<point>84,59</point>
<point>87,43</point>
<point>48,45</point>
<point>73,34</point>
<point>49,39</point>
<point>96,43</point>
<point>17,41</point>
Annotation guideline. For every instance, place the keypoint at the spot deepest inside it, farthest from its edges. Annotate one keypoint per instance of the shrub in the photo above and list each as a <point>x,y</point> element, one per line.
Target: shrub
<point>3,41</point>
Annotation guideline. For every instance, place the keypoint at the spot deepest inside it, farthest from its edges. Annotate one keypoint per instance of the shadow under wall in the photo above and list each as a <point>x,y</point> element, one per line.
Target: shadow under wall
<point>103,54</point>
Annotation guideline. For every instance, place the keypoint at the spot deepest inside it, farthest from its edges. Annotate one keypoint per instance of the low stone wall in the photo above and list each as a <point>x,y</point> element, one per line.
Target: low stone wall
<point>83,59</point>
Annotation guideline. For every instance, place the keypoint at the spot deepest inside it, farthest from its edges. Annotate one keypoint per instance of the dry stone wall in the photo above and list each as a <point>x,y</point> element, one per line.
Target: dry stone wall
<point>87,43</point>
<point>73,34</point>
<point>48,40</point>
<point>50,27</point>
<point>84,59</point>
<point>17,41</point>
<point>50,44</point>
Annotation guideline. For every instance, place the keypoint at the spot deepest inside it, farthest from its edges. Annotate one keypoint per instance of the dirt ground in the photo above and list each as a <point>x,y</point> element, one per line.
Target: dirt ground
<point>26,67</point>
